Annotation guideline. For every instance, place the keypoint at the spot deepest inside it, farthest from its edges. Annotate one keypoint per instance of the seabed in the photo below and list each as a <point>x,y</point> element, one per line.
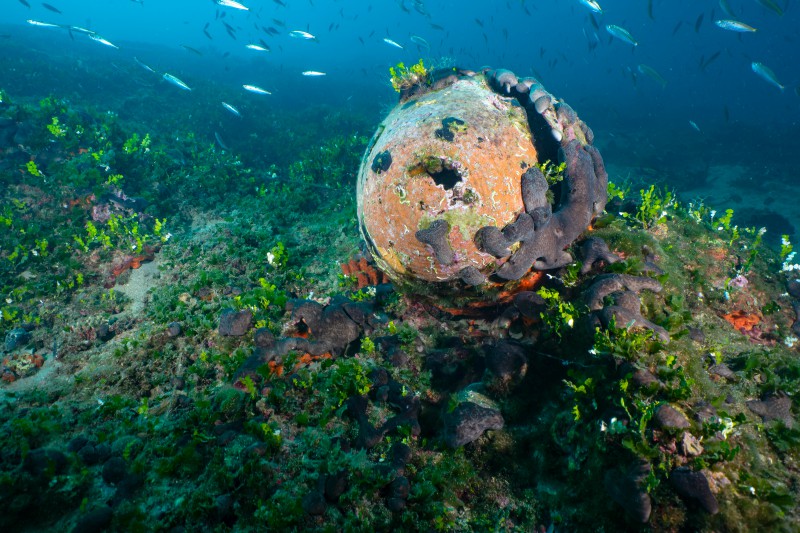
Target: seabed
<point>143,266</point>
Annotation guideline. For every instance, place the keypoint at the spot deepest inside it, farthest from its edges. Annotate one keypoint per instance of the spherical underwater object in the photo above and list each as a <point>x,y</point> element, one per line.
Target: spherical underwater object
<point>452,202</point>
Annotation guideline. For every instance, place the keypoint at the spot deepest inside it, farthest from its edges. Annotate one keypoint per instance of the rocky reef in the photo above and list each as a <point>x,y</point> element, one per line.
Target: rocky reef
<point>257,372</point>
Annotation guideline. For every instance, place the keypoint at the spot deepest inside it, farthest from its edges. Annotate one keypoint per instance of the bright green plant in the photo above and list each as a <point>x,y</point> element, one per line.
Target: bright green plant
<point>260,299</point>
<point>786,247</point>
<point>345,378</point>
<point>41,247</point>
<point>135,144</point>
<point>33,169</point>
<point>553,173</point>
<point>615,192</point>
<point>724,222</point>
<point>249,386</point>
<point>403,78</point>
<point>626,342</point>
<point>364,293</point>
<point>367,346</point>
<point>56,129</point>
<point>6,217</point>
<point>653,206</point>
<point>278,256</point>
<point>560,315</point>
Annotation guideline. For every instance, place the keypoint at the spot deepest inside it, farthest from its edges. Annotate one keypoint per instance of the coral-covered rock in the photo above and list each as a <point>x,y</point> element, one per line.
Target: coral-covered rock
<point>114,470</point>
<point>8,127</point>
<point>314,503</point>
<point>626,487</point>
<point>625,309</point>
<point>15,338</point>
<point>468,421</point>
<point>506,362</point>
<point>335,485</point>
<point>604,285</point>
<point>693,486</point>
<point>234,323</point>
<point>45,461</point>
<point>668,417</point>
<point>174,329</point>
<point>593,250</point>
<point>95,521</point>
<point>774,407</point>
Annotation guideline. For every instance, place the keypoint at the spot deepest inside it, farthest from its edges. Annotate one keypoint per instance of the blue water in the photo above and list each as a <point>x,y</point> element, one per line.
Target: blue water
<point>742,118</point>
<point>548,37</point>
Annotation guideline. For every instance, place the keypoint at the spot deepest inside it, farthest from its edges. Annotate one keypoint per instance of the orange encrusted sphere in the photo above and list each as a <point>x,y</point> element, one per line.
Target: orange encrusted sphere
<point>456,154</point>
<point>451,194</point>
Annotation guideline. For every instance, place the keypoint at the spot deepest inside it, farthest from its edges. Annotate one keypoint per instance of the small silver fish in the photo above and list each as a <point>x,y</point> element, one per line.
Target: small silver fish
<point>734,25</point>
<point>143,65</point>
<point>770,4</point>
<point>232,109</point>
<point>234,5</point>
<point>726,8</point>
<point>257,47</point>
<point>220,141</point>
<point>652,73</point>
<point>313,73</point>
<point>300,34</point>
<point>695,126</point>
<point>592,5</point>
<point>255,89</point>
<point>766,73</point>
<point>622,34</point>
<point>78,29</point>
<point>416,39</point>
<point>95,37</point>
<point>176,82</point>
<point>392,43</point>
<point>43,24</point>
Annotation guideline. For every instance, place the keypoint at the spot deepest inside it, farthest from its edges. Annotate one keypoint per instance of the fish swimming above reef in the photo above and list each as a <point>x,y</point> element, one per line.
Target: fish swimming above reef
<point>653,74</point>
<point>694,126</point>
<point>147,68</point>
<point>234,5</point>
<point>78,29</point>
<point>191,49</point>
<point>734,25</point>
<point>416,39</point>
<point>392,43</point>
<point>300,34</point>
<point>726,8</point>
<point>231,109</point>
<point>220,141</point>
<point>593,5</point>
<point>176,82</point>
<point>313,73</point>
<point>255,89</point>
<point>43,24</point>
<point>257,48</point>
<point>52,8</point>
<point>622,34</point>
<point>771,5</point>
<point>93,36</point>
<point>699,23</point>
<point>766,73</point>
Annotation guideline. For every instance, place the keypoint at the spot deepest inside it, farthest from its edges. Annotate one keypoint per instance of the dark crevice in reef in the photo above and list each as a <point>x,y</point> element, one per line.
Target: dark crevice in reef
<point>547,148</point>
<point>546,145</point>
<point>446,177</point>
